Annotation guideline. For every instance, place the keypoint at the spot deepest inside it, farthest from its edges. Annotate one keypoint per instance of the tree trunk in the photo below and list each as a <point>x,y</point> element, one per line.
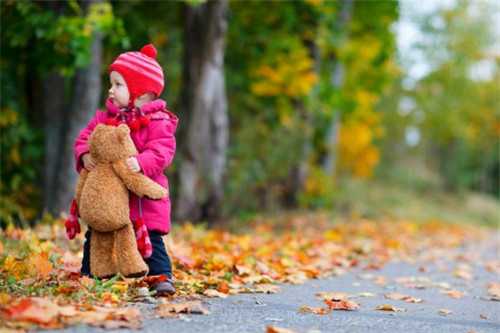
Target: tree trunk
<point>84,102</point>
<point>298,174</point>
<point>331,158</point>
<point>203,155</point>
<point>53,110</point>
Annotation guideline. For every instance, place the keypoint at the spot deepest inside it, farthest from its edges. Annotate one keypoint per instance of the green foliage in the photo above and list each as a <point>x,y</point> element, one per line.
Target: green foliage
<point>262,169</point>
<point>38,38</point>
<point>60,42</point>
<point>164,31</point>
<point>270,74</point>
<point>364,48</point>
<point>195,2</point>
<point>19,196</point>
<point>319,190</point>
<point>456,111</point>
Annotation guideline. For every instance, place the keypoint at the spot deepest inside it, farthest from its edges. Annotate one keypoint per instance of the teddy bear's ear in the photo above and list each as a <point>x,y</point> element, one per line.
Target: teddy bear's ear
<point>123,131</point>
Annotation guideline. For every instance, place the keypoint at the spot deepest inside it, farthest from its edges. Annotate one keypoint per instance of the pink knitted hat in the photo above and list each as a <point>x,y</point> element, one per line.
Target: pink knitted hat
<point>141,72</point>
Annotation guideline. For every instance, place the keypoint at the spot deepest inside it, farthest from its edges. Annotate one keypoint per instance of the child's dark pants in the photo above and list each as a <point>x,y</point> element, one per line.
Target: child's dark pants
<point>159,262</point>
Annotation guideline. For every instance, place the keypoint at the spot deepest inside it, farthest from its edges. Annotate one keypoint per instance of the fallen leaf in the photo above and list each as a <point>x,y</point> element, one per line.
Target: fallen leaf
<point>242,270</point>
<point>214,293</point>
<point>380,280</point>
<point>463,272</point>
<point>494,291</point>
<point>109,297</point>
<point>402,297</point>
<point>120,287</point>
<point>267,288</point>
<point>275,329</point>
<point>223,287</point>
<point>41,265</point>
<point>37,310</point>
<point>453,293</point>
<point>71,263</point>
<point>297,278</point>
<point>154,279</point>
<point>112,317</point>
<point>342,305</point>
<point>444,312</point>
<point>389,307</point>
<point>255,279</point>
<point>334,296</point>
<point>170,309</point>
<point>396,296</point>
<point>482,316</point>
<point>87,282</point>
<point>493,266</point>
<point>315,310</point>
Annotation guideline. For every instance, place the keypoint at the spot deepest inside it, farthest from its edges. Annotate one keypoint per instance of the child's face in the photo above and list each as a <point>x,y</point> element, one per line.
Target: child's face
<point>118,92</point>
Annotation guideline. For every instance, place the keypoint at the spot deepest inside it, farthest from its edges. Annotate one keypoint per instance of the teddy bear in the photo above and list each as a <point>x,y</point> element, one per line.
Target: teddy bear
<point>103,202</point>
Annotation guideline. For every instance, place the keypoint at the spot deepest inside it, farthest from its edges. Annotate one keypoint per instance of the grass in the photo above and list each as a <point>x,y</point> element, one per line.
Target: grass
<point>412,194</point>
<point>379,199</point>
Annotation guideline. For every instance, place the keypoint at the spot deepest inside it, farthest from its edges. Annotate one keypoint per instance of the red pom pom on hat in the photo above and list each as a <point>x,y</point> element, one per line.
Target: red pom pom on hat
<point>149,50</point>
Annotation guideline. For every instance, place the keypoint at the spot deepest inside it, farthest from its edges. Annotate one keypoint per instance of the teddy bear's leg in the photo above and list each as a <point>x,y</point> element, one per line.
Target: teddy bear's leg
<point>102,254</point>
<point>130,262</point>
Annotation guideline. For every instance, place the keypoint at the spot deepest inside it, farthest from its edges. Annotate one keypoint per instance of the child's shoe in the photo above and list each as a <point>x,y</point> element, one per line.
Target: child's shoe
<point>164,288</point>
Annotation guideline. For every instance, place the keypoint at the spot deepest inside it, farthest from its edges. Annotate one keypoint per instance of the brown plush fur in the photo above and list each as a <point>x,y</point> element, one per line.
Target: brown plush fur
<point>103,202</point>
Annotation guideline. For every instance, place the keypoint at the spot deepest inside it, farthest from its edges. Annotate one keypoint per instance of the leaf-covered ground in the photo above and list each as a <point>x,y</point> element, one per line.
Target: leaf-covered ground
<point>40,284</point>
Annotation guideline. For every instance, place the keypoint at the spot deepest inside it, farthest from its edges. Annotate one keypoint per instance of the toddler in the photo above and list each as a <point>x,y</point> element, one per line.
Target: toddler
<point>136,81</point>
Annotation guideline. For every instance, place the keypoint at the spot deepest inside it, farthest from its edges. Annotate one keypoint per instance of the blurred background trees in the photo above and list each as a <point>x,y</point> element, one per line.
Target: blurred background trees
<point>297,104</point>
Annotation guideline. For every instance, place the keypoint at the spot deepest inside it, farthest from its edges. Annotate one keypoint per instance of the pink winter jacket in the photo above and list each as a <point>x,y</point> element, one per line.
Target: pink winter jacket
<point>156,146</point>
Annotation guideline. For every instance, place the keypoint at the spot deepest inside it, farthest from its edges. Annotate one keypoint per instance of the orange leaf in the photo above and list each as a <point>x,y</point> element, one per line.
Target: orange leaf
<point>275,329</point>
<point>454,293</point>
<point>154,279</point>
<point>41,264</point>
<point>214,293</point>
<point>315,310</point>
<point>342,305</point>
<point>18,308</point>
<point>389,307</point>
<point>223,287</point>
<point>494,291</point>
<point>37,310</point>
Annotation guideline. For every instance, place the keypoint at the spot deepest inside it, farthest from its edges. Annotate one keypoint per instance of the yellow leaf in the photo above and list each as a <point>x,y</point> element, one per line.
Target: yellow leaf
<point>41,265</point>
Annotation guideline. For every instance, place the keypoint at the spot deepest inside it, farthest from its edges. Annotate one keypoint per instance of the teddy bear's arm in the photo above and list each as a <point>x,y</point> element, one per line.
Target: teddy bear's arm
<point>79,185</point>
<point>139,183</point>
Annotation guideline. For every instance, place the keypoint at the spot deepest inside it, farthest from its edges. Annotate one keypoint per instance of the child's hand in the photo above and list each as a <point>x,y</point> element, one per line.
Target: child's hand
<point>133,165</point>
<point>88,162</point>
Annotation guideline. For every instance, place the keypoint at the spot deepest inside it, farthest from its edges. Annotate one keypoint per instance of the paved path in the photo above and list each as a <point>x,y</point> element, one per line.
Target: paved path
<point>253,312</point>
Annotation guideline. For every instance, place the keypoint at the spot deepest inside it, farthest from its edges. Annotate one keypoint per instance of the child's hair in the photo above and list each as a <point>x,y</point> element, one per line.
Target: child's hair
<point>141,72</point>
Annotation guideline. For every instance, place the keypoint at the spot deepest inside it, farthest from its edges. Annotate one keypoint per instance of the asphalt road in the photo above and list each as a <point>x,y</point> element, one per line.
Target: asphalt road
<point>474,312</point>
